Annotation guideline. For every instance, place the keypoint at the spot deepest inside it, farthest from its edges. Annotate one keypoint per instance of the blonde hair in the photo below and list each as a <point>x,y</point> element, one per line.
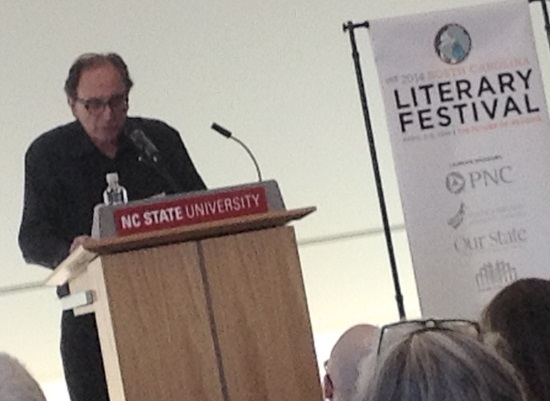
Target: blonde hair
<point>437,365</point>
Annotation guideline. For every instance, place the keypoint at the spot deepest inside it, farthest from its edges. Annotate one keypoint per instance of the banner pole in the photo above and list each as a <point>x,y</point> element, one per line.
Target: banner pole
<point>546,18</point>
<point>349,27</point>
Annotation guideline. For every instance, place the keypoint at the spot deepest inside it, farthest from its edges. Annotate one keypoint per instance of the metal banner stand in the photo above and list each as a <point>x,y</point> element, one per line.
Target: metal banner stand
<point>350,27</point>
<point>546,18</point>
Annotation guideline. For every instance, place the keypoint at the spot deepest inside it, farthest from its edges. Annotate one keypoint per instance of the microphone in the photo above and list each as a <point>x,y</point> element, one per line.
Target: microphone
<point>226,133</point>
<point>150,155</point>
<point>146,148</point>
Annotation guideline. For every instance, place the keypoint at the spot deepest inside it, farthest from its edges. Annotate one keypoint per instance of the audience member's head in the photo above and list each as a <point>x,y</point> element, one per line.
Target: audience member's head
<point>351,349</point>
<point>517,324</point>
<point>16,384</point>
<point>435,364</point>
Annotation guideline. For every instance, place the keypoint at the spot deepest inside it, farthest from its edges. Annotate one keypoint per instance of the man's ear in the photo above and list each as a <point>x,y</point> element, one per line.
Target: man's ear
<point>328,389</point>
<point>72,103</point>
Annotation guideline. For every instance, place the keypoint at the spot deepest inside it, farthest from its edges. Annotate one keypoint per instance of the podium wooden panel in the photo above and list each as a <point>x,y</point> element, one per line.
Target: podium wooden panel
<point>221,316</point>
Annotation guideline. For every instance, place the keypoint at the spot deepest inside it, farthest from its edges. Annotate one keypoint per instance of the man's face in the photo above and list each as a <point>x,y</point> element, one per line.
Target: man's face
<point>101,102</point>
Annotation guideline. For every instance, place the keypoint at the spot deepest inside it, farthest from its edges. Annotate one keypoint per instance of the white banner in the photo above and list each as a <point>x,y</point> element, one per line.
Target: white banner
<point>468,122</point>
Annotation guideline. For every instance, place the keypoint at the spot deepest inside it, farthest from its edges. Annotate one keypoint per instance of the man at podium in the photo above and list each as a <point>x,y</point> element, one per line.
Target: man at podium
<point>65,170</point>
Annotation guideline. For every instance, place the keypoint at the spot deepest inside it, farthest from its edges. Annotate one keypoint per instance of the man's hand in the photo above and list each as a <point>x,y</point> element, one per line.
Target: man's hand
<point>79,241</point>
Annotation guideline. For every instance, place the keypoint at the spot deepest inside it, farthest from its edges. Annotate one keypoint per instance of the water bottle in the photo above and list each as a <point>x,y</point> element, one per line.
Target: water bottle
<point>115,193</point>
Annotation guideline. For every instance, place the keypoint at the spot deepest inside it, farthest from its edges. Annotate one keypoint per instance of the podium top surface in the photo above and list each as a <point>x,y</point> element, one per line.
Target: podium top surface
<point>76,261</point>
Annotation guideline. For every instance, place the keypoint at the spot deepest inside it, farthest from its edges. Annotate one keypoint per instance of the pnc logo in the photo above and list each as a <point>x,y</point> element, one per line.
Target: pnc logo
<point>457,183</point>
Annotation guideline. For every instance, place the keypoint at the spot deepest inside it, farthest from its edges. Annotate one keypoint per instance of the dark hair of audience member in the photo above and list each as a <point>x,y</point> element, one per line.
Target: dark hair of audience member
<point>442,365</point>
<point>517,323</point>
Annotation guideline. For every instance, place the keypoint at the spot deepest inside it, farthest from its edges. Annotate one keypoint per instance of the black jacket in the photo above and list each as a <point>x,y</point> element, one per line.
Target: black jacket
<point>65,178</point>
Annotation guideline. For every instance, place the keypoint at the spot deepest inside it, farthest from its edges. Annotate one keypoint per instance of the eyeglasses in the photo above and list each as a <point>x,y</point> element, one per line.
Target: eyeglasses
<point>391,333</point>
<point>96,106</point>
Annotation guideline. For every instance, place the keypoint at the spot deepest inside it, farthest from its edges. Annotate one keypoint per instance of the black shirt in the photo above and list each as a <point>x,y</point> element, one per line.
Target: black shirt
<point>65,178</point>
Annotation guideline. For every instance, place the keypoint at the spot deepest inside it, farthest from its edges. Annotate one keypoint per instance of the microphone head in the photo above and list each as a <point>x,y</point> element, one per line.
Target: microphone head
<point>221,130</point>
<point>143,144</point>
<point>137,136</point>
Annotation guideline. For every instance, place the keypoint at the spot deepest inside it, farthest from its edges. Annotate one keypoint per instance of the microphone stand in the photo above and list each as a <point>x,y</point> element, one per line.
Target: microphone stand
<point>251,156</point>
<point>154,163</point>
<point>226,133</point>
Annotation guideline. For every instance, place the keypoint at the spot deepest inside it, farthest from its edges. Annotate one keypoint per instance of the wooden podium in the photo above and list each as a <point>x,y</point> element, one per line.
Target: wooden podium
<point>212,312</point>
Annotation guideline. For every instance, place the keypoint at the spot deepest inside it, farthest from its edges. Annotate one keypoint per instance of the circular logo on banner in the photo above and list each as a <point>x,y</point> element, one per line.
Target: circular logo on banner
<point>455,182</point>
<point>453,44</point>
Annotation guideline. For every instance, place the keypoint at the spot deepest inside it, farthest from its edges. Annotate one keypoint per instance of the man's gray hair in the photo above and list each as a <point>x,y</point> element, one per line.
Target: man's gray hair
<point>435,365</point>
<point>16,383</point>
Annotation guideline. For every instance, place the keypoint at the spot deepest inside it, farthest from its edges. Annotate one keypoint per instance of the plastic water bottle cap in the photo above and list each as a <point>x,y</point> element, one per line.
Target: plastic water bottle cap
<point>112,178</point>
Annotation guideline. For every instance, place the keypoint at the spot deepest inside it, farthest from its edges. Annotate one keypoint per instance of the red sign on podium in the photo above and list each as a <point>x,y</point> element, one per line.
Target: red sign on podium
<point>190,210</point>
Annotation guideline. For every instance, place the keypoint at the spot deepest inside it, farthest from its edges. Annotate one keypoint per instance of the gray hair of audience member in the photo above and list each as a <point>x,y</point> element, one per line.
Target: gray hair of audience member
<point>517,324</point>
<point>16,383</point>
<point>353,347</point>
<point>87,61</point>
<point>442,365</point>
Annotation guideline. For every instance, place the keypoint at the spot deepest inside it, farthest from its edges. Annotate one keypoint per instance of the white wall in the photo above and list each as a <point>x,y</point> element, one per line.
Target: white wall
<point>279,74</point>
